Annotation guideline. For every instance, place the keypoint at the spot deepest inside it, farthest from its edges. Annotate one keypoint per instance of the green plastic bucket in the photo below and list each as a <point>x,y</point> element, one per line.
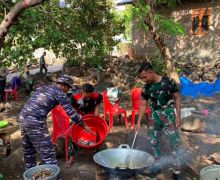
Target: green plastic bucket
<point>53,168</point>
<point>210,173</point>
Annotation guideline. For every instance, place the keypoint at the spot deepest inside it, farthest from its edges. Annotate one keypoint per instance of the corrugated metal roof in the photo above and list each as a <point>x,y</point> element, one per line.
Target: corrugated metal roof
<point>122,2</point>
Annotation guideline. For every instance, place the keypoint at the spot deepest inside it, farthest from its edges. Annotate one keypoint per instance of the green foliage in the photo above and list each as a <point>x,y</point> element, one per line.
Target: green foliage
<point>140,14</point>
<point>142,10</point>
<point>168,26</point>
<point>158,64</point>
<point>82,33</point>
<point>165,25</point>
<point>168,3</point>
<point>127,16</point>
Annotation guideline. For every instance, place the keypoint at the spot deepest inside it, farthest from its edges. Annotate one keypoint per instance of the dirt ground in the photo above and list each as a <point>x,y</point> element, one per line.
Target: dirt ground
<point>193,149</point>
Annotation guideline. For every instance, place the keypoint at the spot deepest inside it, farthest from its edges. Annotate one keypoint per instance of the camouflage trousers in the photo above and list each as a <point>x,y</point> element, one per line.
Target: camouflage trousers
<point>37,140</point>
<point>164,121</point>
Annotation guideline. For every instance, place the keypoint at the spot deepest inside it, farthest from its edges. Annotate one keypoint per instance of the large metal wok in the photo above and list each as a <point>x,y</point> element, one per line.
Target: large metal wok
<point>123,160</point>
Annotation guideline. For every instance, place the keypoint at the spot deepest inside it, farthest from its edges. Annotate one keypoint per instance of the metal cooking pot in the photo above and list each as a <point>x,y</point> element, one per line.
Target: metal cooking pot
<point>123,160</point>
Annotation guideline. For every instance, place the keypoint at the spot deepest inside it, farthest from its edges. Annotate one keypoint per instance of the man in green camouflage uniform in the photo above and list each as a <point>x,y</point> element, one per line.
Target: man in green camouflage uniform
<point>163,96</point>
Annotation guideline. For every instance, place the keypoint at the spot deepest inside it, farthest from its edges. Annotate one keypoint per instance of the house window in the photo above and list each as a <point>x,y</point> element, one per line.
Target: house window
<point>201,21</point>
<point>205,23</point>
<point>195,24</point>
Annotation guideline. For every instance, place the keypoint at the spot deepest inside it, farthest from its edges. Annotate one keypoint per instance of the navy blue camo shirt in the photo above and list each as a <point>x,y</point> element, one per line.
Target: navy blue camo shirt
<point>42,102</point>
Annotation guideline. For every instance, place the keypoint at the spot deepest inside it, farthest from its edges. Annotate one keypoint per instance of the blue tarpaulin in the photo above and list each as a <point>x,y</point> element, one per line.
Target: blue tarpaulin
<point>188,88</point>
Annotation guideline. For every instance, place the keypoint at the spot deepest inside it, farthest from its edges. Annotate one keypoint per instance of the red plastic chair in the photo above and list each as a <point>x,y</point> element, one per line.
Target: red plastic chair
<point>112,110</point>
<point>136,102</point>
<point>12,92</point>
<point>96,124</point>
<point>61,123</point>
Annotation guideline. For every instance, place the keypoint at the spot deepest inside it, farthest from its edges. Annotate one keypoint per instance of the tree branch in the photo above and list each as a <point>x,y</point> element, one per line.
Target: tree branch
<point>159,41</point>
<point>58,23</point>
<point>13,14</point>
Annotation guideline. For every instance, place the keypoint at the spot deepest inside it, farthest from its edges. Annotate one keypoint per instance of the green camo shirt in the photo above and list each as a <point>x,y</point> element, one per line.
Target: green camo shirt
<point>161,94</point>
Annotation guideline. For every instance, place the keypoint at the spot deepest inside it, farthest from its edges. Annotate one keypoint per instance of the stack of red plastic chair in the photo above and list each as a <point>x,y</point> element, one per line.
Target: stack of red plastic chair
<point>136,103</point>
<point>12,92</point>
<point>111,110</point>
<point>61,123</point>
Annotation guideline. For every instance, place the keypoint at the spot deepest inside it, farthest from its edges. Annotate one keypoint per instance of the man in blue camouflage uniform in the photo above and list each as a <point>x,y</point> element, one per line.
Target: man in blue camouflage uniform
<point>163,95</point>
<point>32,121</point>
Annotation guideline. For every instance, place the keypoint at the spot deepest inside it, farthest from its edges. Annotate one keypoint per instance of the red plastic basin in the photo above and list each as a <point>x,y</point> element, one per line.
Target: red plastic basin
<point>99,130</point>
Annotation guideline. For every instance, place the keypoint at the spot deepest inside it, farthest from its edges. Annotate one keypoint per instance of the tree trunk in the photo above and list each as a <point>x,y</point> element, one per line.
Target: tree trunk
<point>165,52</point>
<point>81,56</point>
<point>12,16</point>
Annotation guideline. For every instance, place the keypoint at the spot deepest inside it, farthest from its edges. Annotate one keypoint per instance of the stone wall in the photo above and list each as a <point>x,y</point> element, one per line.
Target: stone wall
<point>199,54</point>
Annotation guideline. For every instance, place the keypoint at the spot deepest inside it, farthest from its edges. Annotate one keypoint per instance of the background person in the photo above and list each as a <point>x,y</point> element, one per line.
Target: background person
<point>43,64</point>
<point>87,101</point>
<point>3,75</point>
